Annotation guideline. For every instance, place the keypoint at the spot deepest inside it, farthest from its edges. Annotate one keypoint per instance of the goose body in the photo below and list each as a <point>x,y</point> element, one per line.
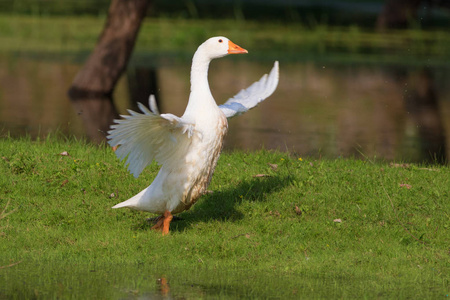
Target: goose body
<point>188,147</point>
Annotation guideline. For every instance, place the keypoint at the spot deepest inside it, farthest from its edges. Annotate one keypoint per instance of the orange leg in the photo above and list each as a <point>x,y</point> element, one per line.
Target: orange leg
<point>163,223</point>
<point>159,223</point>
<point>166,224</point>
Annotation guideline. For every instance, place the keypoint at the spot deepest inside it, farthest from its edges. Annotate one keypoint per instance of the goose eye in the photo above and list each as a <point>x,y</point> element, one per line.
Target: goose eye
<point>220,41</point>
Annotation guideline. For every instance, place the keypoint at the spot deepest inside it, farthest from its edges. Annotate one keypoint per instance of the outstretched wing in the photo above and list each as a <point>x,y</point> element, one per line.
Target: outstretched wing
<point>248,98</point>
<point>148,136</point>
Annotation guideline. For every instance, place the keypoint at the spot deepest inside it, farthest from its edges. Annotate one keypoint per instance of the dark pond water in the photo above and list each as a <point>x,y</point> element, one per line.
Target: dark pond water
<point>139,281</point>
<point>318,110</point>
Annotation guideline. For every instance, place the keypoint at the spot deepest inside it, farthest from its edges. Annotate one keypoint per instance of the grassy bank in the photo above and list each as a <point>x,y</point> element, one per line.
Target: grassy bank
<point>77,35</point>
<point>274,225</point>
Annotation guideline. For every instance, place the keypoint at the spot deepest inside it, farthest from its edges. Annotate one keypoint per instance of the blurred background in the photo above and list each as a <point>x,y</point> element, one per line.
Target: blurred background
<point>358,78</point>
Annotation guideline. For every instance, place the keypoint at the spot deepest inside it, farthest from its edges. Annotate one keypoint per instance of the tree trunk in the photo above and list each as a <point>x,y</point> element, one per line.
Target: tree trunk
<point>92,88</point>
<point>421,99</point>
<point>421,103</point>
<point>398,13</point>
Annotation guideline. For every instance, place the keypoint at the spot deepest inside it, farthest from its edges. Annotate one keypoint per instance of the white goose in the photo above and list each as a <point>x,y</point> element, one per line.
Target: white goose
<point>188,147</point>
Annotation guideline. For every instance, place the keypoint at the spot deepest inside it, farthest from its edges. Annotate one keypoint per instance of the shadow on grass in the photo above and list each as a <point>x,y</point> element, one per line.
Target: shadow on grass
<point>221,205</point>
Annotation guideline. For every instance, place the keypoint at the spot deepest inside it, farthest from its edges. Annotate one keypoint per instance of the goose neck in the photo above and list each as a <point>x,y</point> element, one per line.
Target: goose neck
<point>201,101</point>
<point>199,72</point>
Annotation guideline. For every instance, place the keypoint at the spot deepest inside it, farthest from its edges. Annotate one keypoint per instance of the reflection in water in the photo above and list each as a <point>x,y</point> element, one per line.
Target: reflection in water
<point>97,114</point>
<point>421,102</point>
<point>164,287</point>
<point>131,281</point>
<point>142,82</point>
<point>317,110</point>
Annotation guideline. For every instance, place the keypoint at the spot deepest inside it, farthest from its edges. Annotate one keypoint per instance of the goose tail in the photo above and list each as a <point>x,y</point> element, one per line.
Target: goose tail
<point>133,202</point>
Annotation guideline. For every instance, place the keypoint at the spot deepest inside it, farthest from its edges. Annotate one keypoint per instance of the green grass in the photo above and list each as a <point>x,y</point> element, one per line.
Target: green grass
<point>275,235</point>
<point>75,36</point>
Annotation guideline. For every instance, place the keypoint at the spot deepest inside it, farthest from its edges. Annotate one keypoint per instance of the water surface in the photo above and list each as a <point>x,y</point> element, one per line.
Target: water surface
<point>318,109</point>
<point>130,281</point>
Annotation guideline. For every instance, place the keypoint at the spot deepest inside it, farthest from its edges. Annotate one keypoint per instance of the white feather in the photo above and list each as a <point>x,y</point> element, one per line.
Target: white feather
<point>147,137</point>
<point>250,97</point>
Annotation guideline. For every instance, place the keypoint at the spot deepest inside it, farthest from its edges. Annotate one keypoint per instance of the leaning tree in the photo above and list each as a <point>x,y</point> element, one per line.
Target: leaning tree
<point>92,88</point>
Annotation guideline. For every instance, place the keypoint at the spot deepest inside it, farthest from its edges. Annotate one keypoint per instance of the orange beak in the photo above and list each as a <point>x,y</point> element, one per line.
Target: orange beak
<point>235,49</point>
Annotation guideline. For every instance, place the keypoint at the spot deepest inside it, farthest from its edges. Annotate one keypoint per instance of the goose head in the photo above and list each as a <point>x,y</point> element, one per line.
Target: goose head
<point>219,46</point>
<point>201,96</point>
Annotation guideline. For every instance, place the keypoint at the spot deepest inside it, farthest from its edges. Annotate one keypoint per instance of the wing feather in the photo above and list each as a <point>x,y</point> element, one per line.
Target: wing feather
<point>250,97</point>
<point>144,137</point>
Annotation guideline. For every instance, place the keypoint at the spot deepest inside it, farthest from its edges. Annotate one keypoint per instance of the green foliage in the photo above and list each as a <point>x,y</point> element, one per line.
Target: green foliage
<point>21,163</point>
<point>338,228</point>
<point>75,37</point>
<point>55,7</point>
